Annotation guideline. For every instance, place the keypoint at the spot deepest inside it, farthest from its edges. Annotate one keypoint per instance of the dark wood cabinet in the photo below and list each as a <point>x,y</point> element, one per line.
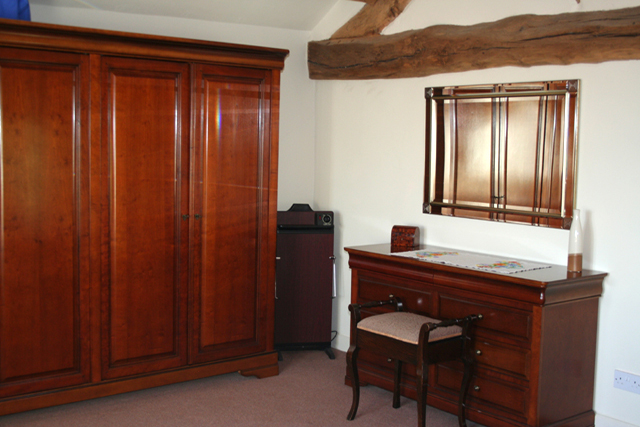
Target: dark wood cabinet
<point>138,211</point>
<point>304,277</point>
<point>535,346</point>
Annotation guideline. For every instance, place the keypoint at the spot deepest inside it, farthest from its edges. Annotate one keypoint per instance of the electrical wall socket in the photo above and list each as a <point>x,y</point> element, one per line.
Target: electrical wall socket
<point>626,381</point>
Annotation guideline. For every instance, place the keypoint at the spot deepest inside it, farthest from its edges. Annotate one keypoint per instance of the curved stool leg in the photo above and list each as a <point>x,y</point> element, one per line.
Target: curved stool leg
<point>466,379</point>
<point>422,384</point>
<point>352,369</point>
<point>397,376</point>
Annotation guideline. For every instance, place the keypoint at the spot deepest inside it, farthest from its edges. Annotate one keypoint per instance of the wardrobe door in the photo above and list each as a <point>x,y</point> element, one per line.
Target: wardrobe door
<point>44,220</point>
<point>145,196</point>
<point>231,307</point>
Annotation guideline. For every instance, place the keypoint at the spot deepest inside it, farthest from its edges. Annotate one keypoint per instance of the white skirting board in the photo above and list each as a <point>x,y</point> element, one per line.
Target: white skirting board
<point>341,342</point>
<point>602,421</point>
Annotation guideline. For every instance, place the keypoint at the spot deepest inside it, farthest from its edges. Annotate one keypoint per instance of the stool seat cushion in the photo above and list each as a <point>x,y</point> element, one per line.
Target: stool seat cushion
<point>406,327</point>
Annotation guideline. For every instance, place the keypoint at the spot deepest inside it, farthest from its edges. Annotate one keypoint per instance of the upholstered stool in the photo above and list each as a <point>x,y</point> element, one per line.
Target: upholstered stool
<point>411,338</point>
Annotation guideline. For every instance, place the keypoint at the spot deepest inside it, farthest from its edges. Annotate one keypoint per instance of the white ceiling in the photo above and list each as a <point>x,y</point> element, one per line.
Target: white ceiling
<point>289,14</point>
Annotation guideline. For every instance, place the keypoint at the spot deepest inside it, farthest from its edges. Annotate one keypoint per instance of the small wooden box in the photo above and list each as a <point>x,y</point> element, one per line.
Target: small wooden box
<point>405,237</point>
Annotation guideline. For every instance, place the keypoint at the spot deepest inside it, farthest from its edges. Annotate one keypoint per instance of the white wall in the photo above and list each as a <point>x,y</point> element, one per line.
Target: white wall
<point>370,168</point>
<point>297,109</point>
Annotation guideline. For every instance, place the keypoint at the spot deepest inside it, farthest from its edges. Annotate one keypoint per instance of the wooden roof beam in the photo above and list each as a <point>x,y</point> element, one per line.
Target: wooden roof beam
<point>358,51</point>
<point>372,18</point>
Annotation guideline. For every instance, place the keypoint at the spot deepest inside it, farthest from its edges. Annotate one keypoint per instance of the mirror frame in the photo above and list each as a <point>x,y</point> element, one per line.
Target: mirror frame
<point>441,170</point>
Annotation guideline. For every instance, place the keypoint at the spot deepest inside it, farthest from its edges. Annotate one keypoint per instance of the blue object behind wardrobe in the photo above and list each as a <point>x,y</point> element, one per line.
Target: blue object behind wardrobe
<point>15,9</point>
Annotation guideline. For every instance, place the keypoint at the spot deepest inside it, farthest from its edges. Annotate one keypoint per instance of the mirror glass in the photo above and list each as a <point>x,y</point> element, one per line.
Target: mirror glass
<point>503,152</point>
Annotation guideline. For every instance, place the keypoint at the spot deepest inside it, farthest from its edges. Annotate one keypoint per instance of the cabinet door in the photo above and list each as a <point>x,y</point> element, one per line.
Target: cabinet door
<point>232,196</point>
<point>145,195</point>
<point>44,219</point>
<point>304,276</point>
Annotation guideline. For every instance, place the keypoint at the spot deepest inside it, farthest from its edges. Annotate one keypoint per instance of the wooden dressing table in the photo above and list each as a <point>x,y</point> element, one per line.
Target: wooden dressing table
<point>535,347</point>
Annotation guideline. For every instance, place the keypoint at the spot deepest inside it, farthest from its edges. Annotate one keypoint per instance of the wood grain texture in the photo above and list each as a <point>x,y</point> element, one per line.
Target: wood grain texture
<point>526,341</point>
<point>261,365</point>
<point>105,42</point>
<point>231,185</point>
<point>523,41</point>
<point>98,245</point>
<point>372,18</point>
<point>146,106</point>
<point>303,276</point>
<point>44,323</point>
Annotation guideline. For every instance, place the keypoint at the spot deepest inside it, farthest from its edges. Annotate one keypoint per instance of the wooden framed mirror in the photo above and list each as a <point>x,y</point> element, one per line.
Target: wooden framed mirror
<point>502,152</point>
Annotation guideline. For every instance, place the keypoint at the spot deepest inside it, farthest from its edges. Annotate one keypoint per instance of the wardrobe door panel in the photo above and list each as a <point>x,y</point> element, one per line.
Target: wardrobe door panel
<point>44,219</point>
<point>232,150</point>
<point>146,143</point>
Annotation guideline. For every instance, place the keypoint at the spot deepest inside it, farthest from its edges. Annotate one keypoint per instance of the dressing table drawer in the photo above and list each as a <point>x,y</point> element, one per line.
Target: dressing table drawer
<point>506,397</point>
<point>498,320</point>
<point>374,287</point>
<point>496,356</point>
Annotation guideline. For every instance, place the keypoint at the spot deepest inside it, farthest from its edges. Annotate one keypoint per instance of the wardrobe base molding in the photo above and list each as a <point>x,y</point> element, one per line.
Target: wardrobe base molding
<point>261,366</point>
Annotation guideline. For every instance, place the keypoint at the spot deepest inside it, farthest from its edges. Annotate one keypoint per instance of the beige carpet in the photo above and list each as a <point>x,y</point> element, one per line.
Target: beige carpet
<point>309,391</point>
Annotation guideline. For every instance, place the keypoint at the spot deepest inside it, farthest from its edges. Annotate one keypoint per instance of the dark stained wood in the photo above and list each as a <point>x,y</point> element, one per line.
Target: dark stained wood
<point>268,233</point>
<point>421,354</point>
<point>264,371</point>
<point>97,202</point>
<point>523,41</point>
<point>73,39</point>
<point>548,280</point>
<point>404,238</point>
<point>512,360</point>
<point>562,358</point>
<point>510,398</point>
<point>232,182</point>
<point>262,365</point>
<point>536,340</point>
<point>145,169</point>
<point>44,281</point>
<point>101,209</point>
<point>303,276</point>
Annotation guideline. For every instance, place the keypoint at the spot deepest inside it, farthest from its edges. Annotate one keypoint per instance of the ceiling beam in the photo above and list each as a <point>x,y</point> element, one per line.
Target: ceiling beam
<point>523,41</point>
<point>372,18</point>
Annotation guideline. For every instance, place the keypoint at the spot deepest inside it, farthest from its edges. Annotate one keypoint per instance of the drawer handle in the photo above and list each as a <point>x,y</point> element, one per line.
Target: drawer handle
<point>478,352</point>
<point>389,360</point>
<point>476,388</point>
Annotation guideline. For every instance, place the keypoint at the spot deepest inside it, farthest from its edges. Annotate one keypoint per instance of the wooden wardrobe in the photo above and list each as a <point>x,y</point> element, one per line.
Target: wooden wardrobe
<point>138,211</point>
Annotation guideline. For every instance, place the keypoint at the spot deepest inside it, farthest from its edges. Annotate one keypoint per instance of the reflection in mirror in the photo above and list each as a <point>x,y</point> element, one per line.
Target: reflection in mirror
<point>503,152</point>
